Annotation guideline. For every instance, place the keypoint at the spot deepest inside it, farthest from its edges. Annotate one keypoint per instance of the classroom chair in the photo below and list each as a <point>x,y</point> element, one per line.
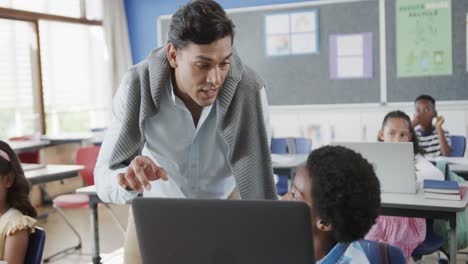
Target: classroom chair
<point>35,246</point>
<point>281,146</point>
<point>458,146</point>
<point>432,243</point>
<point>86,156</point>
<point>378,253</point>
<point>29,156</point>
<point>303,145</point>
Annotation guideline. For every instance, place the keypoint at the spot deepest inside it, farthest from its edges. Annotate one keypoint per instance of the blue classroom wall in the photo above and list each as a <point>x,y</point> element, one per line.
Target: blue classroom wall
<point>142,16</point>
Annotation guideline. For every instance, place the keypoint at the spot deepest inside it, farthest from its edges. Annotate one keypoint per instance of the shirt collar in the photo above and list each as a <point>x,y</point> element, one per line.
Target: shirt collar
<point>334,255</point>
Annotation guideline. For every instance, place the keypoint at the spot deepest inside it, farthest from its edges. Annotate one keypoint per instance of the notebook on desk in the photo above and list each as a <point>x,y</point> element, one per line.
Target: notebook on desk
<point>174,231</point>
<point>393,164</point>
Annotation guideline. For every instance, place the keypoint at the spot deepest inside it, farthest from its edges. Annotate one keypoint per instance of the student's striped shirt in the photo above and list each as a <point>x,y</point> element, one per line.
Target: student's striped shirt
<point>430,142</point>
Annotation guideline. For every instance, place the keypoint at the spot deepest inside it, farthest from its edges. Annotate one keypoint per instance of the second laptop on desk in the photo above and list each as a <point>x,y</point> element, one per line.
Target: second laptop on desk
<point>393,164</point>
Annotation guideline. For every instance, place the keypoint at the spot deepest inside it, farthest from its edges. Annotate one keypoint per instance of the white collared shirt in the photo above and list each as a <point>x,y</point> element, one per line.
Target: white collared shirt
<point>195,158</point>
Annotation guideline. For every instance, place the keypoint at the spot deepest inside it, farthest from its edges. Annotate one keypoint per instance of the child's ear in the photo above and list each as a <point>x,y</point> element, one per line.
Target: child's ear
<point>323,226</point>
<point>9,180</point>
<point>381,137</point>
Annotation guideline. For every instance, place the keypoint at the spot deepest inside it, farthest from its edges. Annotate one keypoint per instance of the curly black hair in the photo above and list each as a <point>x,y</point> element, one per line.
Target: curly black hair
<point>345,191</point>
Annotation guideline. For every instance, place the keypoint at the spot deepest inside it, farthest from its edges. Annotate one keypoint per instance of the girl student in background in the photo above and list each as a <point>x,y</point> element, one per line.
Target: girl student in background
<point>404,232</point>
<point>16,211</point>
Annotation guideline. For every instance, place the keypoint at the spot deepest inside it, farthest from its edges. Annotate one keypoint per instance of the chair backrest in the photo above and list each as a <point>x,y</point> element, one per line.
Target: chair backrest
<point>371,248</point>
<point>279,146</point>
<point>87,156</point>
<point>303,145</point>
<point>29,156</point>
<point>35,246</point>
<point>458,146</point>
<point>432,242</point>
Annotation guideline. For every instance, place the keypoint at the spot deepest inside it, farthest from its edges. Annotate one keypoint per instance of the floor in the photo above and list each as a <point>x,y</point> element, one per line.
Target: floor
<point>60,236</point>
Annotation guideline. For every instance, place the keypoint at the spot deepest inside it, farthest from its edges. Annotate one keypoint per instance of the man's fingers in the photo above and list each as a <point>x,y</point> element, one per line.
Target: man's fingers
<point>132,180</point>
<point>140,167</point>
<point>121,180</point>
<point>140,172</point>
<point>161,173</point>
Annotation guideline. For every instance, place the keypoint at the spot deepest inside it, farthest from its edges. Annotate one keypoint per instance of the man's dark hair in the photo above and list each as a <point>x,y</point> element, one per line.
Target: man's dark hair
<point>427,98</point>
<point>200,22</point>
<point>400,114</point>
<point>345,191</point>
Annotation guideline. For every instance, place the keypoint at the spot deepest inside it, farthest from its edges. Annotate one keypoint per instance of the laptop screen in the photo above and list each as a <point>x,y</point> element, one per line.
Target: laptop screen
<point>223,231</point>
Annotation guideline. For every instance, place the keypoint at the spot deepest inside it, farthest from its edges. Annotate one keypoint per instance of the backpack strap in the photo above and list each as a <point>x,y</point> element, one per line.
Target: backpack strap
<point>383,253</point>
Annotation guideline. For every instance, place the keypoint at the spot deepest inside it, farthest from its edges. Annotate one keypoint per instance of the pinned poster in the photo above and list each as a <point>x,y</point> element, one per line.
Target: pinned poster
<point>291,33</point>
<point>277,30</point>
<point>424,37</point>
<point>351,56</point>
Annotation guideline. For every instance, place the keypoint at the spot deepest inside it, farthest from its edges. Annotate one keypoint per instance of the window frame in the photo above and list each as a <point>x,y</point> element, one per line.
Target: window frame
<point>34,18</point>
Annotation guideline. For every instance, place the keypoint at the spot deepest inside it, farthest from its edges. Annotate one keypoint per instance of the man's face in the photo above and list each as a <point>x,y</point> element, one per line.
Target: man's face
<point>200,70</point>
<point>425,112</point>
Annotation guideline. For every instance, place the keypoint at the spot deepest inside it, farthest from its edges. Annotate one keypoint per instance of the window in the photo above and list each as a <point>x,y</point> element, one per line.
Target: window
<point>93,9</point>
<point>291,33</point>
<point>69,8</point>
<point>73,62</point>
<point>75,78</point>
<point>18,77</point>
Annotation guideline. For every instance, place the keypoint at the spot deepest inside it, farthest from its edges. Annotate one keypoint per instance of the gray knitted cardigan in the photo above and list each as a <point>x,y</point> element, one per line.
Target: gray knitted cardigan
<point>239,115</point>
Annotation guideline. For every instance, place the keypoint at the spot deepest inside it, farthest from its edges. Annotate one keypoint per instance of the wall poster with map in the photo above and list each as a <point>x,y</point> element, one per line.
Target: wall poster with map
<point>424,37</point>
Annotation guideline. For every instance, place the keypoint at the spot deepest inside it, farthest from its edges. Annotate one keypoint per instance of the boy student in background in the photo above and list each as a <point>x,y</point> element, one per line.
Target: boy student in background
<point>16,212</point>
<point>343,193</point>
<point>432,137</point>
<point>404,232</point>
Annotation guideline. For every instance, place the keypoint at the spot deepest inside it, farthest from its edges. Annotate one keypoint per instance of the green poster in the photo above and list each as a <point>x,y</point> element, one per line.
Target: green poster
<point>424,37</point>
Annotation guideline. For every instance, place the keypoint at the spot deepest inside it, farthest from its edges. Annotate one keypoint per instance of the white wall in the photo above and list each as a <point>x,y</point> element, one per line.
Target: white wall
<point>355,122</point>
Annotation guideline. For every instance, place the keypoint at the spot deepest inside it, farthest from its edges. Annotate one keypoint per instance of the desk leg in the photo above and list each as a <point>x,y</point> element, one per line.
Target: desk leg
<point>95,228</point>
<point>453,239</point>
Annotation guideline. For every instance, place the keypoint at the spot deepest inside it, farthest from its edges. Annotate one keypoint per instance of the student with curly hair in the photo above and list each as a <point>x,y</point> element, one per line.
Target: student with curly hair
<point>343,192</point>
<point>16,212</point>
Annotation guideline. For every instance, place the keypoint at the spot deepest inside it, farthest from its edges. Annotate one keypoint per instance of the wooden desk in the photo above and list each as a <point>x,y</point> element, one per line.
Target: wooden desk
<point>20,146</point>
<point>69,138</point>
<point>52,173</point>
<point>415,205</point>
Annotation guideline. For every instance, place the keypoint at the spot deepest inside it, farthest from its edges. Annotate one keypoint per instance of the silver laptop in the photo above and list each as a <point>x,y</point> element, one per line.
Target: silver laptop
<point>393,164</point>
<point>174,231</point>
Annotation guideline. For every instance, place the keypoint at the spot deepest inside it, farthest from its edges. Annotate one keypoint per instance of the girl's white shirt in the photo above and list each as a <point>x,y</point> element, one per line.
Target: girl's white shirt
<point>425,170</point>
